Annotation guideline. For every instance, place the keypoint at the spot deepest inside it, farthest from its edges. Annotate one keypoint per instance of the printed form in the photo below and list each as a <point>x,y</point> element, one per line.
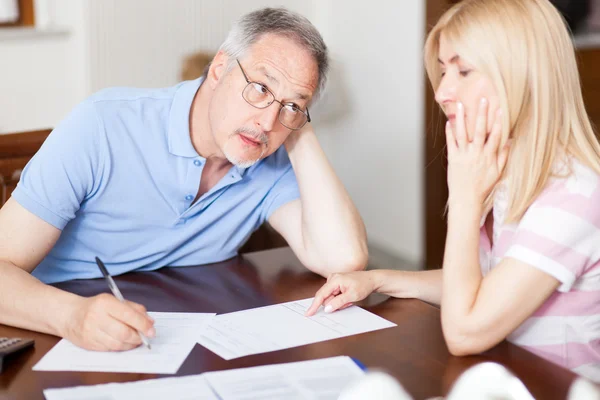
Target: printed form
<point>282,326</point>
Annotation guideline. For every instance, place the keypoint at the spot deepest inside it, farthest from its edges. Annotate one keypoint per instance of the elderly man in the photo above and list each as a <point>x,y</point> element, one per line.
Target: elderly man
<point>177,176</point>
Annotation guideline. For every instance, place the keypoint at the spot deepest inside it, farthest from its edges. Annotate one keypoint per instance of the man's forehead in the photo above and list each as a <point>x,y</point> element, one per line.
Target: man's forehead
<point>283,62</point>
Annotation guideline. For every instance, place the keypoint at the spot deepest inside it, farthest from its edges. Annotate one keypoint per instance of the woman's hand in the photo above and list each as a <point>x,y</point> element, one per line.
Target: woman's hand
<point>341,290</point>
<point>474,167</point>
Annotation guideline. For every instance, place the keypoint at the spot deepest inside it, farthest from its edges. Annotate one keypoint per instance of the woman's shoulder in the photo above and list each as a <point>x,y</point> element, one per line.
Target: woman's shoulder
<point>575,188</point>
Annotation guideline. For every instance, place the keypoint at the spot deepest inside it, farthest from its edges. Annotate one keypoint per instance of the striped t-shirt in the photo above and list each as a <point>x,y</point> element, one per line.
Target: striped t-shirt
<point>560,235</point>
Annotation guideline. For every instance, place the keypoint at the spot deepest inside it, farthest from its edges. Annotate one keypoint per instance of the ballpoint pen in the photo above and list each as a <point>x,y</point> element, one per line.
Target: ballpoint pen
<point>115,291</point>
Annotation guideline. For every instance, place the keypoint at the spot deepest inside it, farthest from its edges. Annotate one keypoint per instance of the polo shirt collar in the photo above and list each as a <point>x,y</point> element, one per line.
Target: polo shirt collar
<point>180,141</point>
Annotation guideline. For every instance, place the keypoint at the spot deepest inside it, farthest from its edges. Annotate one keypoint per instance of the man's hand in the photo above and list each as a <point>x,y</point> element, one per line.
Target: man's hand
<point>103,323</point>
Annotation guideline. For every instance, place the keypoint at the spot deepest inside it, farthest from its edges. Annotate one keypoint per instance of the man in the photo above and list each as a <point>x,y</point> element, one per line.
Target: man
<point>174,177</point>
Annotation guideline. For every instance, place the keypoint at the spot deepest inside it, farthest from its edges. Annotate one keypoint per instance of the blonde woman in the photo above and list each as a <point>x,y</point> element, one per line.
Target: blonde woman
<point>522,257</point>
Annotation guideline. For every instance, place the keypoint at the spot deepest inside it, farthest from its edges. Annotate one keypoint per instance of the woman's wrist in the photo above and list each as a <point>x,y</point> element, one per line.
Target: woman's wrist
<point>377,279</point>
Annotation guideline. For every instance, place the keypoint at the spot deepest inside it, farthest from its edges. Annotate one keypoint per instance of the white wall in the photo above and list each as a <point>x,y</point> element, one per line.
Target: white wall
<point>42,77</point>
<point>371,121</point>
<point>377,145</point>
<point>143,46</point>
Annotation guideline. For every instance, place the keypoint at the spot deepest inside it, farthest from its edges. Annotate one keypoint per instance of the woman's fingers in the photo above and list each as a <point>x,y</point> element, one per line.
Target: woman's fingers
<point>460,132</point>
<point>493,142</point>
<point>450,140</point>
<point>481,124</point>
<point>339,302</point>
<point>322,294</point>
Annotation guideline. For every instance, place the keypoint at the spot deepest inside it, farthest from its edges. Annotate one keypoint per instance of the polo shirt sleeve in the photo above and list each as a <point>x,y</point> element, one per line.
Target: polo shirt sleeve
<point>282,192</point>
<point>559,235</point>
<point>62,174</point>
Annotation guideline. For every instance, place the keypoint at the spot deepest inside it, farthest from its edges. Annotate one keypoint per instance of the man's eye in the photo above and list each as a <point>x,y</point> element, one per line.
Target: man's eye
<point>260,88</point>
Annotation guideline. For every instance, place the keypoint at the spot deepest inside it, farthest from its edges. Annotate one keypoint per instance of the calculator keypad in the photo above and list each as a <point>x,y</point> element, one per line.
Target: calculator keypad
<point>6,342</point>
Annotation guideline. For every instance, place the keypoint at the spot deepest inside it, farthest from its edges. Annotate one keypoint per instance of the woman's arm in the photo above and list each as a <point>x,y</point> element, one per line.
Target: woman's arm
<point>341,290</point>
<point>477,312</point>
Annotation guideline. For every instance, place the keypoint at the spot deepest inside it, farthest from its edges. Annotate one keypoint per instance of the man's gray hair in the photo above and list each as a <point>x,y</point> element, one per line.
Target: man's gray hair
<point>280,21</point>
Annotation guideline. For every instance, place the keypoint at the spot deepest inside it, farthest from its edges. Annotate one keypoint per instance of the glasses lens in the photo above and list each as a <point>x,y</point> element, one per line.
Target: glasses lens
<point>292,117</point>
<point>257,95</point>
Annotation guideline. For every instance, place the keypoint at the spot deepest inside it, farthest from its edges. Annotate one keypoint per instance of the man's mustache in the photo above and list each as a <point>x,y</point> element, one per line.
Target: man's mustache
<point>253,134</point>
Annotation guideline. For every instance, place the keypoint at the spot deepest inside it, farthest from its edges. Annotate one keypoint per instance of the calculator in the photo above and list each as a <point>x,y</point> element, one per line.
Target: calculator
<point>10,346</point>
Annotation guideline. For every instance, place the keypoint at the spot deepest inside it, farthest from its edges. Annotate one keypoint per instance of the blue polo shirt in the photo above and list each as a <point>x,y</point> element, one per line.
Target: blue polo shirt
<point>118,177</point>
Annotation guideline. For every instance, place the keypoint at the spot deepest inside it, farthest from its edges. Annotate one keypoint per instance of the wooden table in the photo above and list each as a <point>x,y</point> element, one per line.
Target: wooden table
<point>414,351</point>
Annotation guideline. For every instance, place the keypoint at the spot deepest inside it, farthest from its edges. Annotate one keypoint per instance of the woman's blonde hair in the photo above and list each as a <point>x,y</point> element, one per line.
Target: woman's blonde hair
<point>524,48</point>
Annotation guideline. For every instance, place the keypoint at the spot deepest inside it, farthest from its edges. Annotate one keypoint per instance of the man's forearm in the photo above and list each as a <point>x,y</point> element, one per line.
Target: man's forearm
<point>27,303</point>
<point>332,229</point>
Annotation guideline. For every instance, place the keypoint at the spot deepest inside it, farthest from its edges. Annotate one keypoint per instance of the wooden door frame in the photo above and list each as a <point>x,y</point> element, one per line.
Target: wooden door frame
<point>435,188</point>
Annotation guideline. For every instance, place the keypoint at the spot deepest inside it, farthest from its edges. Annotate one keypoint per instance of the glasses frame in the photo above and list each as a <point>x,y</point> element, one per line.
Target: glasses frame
<point>281,104</point>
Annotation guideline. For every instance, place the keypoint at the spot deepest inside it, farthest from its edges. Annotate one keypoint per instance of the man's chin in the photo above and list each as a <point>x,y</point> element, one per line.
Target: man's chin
<point>242,162</point>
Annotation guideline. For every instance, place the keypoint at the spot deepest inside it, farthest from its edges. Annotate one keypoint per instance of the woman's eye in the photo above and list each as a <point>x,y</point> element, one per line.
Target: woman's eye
<point>465,73</point>
<point>443,73</point>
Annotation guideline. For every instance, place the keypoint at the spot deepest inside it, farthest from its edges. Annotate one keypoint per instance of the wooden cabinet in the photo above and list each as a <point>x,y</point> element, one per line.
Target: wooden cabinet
<point>589,69</point>
<point>15,151</point>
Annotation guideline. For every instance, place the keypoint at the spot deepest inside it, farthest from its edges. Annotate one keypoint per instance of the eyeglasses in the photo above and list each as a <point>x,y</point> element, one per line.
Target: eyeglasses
<point>259,96</point>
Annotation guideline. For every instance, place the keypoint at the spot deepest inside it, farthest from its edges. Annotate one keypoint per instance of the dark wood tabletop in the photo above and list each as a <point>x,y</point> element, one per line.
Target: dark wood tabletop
<point>414,351</point>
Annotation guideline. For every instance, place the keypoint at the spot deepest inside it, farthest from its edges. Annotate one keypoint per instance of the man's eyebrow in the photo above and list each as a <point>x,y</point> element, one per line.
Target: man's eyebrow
<point>272,79</point>
<point>452,60</point>
<point>269,77</point>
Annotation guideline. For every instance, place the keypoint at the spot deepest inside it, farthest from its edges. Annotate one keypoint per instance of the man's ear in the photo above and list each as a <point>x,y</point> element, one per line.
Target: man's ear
<point>217,69</point>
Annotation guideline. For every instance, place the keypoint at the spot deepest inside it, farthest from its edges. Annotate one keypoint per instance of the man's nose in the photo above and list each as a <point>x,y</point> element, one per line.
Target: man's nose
<point>268,117</point>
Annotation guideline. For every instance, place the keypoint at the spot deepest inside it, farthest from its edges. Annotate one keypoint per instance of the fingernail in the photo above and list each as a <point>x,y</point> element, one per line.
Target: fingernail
<point>483,101</point>
<point>328,309</point>
<point>151,332</point>
<point>460,106</point>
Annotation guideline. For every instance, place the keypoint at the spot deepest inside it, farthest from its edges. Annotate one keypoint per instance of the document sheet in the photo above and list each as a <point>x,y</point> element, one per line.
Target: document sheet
<point>282,326</point>
<point>322,379</point>
<point>176,335</point>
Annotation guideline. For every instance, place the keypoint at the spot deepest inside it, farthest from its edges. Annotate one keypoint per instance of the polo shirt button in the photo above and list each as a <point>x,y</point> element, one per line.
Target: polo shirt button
<point>189,197</point>
<point>197,163</point>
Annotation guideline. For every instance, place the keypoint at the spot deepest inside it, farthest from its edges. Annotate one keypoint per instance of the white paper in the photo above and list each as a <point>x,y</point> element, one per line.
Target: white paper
<point>281,326</point>
<point>184,388</point>
<point>316,379</point>
<point>176,334</point>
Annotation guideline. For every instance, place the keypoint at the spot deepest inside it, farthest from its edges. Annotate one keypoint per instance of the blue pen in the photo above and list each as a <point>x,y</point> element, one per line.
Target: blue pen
<point>115,290</point>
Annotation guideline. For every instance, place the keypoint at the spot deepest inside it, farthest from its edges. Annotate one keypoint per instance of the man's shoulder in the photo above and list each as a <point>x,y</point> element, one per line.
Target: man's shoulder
<point>133,94</point>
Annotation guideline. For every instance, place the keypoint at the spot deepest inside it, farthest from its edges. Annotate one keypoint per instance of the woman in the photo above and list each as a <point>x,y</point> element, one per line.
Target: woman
<point>522,258</point>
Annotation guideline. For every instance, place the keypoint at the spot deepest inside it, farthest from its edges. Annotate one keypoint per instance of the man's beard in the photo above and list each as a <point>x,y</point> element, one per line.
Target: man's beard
<point>255,135</point>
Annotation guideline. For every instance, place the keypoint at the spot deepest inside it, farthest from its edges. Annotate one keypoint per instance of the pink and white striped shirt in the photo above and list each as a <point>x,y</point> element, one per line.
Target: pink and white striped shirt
<point>560,235</point>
